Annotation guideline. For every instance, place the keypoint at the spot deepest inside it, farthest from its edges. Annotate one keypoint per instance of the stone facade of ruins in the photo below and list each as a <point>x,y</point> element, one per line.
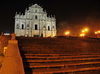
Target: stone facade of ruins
<point>35,23</point>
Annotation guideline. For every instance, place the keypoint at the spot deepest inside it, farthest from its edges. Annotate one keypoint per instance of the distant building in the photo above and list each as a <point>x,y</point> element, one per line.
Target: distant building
<point>35,23</point>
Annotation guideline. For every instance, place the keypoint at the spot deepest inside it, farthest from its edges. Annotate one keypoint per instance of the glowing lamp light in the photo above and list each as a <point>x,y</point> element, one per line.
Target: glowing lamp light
<point>82,30</point>
<point>96,32</point>
<point>82,34</point>
<point>86,29</point>
<point>66,33</point>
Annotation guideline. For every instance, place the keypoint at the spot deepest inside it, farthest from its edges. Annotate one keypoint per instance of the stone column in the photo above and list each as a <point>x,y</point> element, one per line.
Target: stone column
<point>12,63</point>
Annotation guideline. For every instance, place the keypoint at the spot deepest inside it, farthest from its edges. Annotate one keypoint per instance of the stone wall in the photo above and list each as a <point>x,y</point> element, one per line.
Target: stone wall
<point>3,42</point>
<point>12,62</point>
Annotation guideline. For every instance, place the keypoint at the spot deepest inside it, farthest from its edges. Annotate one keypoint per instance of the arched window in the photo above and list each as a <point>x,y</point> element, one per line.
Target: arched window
<point>22,26</point>
<point>35,16</point>
<point>49,28</point>
<point>36,27</point>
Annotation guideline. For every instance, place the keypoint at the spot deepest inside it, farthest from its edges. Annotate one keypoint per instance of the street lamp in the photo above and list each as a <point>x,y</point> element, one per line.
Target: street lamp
<point>86,29</point>
<point>83,32</point>
<point>67,33</point>
<point>96,32</point>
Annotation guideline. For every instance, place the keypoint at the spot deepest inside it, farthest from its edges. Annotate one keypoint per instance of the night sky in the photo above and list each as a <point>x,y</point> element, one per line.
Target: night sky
<point>72,13</point>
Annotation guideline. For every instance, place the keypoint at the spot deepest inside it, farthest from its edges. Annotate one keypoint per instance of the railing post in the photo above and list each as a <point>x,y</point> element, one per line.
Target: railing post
<point>12,63</point>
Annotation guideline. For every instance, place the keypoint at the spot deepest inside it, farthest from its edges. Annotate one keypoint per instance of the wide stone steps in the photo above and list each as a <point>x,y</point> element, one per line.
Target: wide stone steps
<point>60,63</point>
<point>61,60</point>
<point>49,56</point>
<point>48,65</point>
<point>63,70</point>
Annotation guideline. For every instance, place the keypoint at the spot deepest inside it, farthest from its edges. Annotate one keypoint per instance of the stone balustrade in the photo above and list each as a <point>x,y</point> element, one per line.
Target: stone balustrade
<point>12,63</point>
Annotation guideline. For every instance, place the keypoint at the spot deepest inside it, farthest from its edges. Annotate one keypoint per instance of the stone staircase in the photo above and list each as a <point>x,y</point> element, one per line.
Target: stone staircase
<point>60,56</point>
<point>61,64</point>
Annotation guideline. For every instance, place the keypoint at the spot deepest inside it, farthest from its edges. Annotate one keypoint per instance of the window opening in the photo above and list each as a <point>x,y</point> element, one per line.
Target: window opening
<point>35,16</point>
<point>36,27</point>
<point>48,27</point>
<point>22,26</point>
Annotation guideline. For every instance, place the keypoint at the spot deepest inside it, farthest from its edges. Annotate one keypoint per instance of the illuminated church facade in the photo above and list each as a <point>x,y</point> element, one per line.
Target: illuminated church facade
<point>35,23</point>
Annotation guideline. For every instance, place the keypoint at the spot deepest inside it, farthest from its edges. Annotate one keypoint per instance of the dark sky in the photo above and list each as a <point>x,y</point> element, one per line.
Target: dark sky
<point>73,11</point>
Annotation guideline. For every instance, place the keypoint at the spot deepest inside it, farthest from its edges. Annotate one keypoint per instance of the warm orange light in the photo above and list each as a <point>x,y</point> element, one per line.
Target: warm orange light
<point>82,34</point>
<point>66,33</point>
<point>82,30</point>
<point>86,29</point>
<point>96,32</point>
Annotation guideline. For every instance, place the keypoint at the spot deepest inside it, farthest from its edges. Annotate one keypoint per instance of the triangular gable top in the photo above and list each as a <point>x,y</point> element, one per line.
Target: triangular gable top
<point>35,6</point>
